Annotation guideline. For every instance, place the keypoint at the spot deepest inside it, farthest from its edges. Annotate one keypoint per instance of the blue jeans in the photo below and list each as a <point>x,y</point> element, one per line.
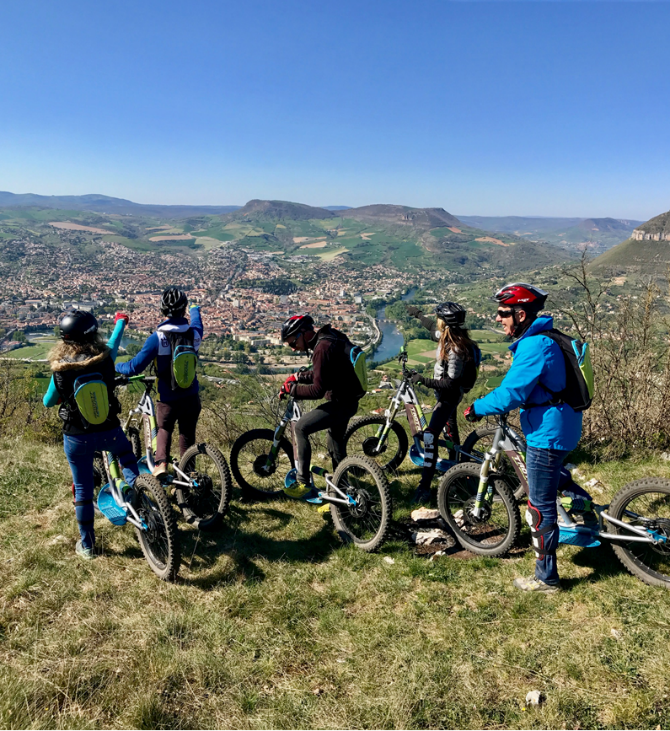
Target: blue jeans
<point>80,450</point>
<point>545,474</point>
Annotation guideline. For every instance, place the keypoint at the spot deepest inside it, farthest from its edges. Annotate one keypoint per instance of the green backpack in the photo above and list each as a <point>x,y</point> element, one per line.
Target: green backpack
<point>184,359</point>
<point>92,398</point>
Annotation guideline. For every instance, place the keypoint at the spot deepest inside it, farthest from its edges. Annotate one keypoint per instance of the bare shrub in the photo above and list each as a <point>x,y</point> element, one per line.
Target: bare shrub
<point>629,350</point>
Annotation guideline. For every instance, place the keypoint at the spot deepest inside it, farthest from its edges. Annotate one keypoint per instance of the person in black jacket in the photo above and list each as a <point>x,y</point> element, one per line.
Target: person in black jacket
<point>332,377</point>
<point>455,372</point>
<point>83,353</point>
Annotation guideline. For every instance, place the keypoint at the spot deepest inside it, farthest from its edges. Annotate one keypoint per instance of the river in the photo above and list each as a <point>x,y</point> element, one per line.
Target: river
<point>392,338</point>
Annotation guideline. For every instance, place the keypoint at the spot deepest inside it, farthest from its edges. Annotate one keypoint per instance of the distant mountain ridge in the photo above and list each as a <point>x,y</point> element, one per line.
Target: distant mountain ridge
<point>276,210</point>
<point>421,218</point>
<point>108,204</point>
<point>646,251</point>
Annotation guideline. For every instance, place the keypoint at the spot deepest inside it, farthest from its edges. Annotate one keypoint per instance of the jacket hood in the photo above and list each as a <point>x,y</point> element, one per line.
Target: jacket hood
<point>80,361</point>
<point>539,325</point>
<point>174,325</point>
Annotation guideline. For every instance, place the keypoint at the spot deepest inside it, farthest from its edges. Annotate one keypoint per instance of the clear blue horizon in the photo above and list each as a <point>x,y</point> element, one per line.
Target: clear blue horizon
<point>482,108</point>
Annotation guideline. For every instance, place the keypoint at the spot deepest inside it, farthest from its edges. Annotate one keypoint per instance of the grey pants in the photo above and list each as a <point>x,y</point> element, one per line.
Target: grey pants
<point>334,416</point>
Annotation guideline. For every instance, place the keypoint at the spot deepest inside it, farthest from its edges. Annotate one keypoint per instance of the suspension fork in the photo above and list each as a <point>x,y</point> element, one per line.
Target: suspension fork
<point>485,489</point>
<point>278,435</point>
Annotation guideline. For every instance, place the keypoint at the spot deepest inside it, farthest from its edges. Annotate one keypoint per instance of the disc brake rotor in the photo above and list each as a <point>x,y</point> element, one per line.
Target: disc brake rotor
<point>362,506</point>
<point>468,512</point>
<point>261,467</point>
<point>370,447</point>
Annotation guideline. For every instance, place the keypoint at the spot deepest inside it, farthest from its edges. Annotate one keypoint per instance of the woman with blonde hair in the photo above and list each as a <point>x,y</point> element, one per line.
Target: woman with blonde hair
<point>457,360</point>
<point>83,384</point>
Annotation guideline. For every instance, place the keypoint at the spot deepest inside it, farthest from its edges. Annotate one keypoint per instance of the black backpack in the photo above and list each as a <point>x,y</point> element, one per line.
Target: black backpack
<point>579,380</point>
<point>469,378</point>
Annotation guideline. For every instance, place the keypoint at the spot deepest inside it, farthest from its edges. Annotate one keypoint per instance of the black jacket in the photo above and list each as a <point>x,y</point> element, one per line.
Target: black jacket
<point>332,376</point>
<point>65,372</point>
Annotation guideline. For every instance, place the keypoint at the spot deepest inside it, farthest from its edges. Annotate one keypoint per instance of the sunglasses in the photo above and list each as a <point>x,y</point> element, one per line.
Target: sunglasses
<point>291,343</point>
<point>505,313</point>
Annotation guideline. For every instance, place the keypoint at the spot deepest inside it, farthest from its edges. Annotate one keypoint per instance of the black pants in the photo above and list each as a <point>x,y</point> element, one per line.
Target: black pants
<point>444,414</point>
<point>185,411</point>
<point>334,416</point>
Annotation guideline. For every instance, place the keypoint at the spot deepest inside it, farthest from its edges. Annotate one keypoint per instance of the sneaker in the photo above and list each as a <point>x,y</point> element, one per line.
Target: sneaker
<point>85,553</point>
<point>532,583</point>
<point>159,470</point>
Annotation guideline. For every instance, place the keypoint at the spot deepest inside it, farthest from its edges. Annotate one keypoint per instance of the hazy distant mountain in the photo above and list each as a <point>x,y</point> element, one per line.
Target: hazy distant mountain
<point>337,208</point>
<point>274,210</point>
<point>597,234</point>
<point>108,204</point>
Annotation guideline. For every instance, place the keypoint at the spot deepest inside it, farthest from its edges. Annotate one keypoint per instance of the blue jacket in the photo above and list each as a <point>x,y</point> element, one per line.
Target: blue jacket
<point>157,347</point>
<point>537,361</point>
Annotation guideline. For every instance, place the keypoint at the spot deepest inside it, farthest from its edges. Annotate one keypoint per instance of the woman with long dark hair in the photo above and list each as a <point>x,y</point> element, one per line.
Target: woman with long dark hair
<point>456,362</point>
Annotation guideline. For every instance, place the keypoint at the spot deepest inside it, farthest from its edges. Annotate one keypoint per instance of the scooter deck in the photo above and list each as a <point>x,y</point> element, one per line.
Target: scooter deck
<point>110,508</point>
<point>417,458</point>
<point>578,535</point>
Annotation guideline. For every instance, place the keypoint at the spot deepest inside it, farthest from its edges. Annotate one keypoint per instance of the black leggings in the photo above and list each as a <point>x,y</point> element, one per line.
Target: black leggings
<point>334,416</point>
<point>444,414</point>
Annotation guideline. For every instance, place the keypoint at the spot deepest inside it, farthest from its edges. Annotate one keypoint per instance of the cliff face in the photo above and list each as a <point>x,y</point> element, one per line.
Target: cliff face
<point>641,235</point>
<point>656,229</point>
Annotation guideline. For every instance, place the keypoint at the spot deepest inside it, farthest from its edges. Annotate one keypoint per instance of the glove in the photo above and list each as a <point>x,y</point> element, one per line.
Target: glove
<point>288,386</point>
<point>470,415</point>
<point>413,310</point>
<point>416,378</point>
<point>121,316</point>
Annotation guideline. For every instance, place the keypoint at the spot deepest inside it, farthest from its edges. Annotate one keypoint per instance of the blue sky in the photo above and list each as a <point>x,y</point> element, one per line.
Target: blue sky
<point>489,108</point>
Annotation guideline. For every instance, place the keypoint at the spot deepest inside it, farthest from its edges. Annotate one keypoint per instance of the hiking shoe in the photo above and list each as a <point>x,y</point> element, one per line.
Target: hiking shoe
<point>159,470</point>
<point>86,553</point>
<point>532,583</point>
<point>422,496</point>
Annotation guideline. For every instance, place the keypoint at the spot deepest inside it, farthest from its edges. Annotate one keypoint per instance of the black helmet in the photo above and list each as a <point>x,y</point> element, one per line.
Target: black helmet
<point>173,302</point>
<point>452,313</point>
<point>78,326</point>
<point>296,324</point>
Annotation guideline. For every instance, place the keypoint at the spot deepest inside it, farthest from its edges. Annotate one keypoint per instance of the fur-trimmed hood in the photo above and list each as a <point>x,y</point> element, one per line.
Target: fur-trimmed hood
<point>83,360</point>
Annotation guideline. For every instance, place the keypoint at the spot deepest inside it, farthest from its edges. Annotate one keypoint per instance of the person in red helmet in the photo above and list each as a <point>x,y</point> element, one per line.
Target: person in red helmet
<point>551,426</point>
<point>332,377</point>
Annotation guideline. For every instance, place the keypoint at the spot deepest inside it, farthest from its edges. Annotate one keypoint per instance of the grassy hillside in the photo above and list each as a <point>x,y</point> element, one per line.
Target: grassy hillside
<point>275,625</point>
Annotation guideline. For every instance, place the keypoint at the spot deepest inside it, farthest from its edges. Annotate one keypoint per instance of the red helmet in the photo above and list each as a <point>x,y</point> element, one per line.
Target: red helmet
<point>522,294</point>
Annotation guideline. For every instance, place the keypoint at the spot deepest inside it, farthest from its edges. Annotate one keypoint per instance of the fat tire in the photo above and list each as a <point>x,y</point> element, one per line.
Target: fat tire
<point>403,443</point>
<point>617,508</point>
<point>249,492</point>
<point>205,522</point>
<point>165,570</point>
<point>133,435</point>
<point>472,469</point>
<point>337,511</point>
<point>510,476</point>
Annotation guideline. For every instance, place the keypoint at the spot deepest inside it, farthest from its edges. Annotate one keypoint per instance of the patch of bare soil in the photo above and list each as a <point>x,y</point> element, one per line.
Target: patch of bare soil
<point>454,229</point>
<point>315,245</point>
<point>491,240</point>
<point>77,227</point>
<point>176,237</point>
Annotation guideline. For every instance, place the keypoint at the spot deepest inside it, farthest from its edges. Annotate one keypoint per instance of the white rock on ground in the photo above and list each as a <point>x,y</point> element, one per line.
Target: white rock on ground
<point>459,517</point>
<point>424,514</point>
<point>534,698</point>
<point>592,483</point>
<point>426,538</point>
<point>389,560</point>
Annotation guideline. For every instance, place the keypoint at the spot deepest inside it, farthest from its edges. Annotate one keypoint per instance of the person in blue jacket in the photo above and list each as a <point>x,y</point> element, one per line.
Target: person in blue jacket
<point>552,428</point>
<point>83,353</point>
<point>175,404</point>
